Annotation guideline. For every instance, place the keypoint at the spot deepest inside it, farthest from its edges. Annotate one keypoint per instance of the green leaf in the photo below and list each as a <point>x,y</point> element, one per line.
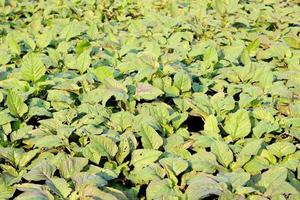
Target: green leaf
<point>43,40</point>
<point>114,88</point>
<point>253,47</point>
<point>223,153</point>
<point>210,55</point>
<point>103,72</point>
<point>182,81</point>
<point>147,91</point>
<point>204,161</point>
<point>95,193</point>
<point>159,189</point>
<point>35,195</point>
<point>72,166</point>
<point>27,157</point>
<point>59,186</point>
<point>252,147</point>
<point>104,146</point>
<point>281,149</point>
<point>278,188</point>
<point>91,153</point>
<point>272,176</point>
<point>48,141</point>
<point>201,186</point>
<point>5,56</point>
<point>32,68</point>
<point>256,164</point>
<point>15,104</point>
<point>150,138</point>
<point>124,150</point>
<point>263,114</point>
<point>6,191</point>
<point>144,157</point>
<point>149,173</point>
<point>220,7</point>
<point>211,126</point>
<point>83,61</point>
<point>238,124</point>
<point>42,171</point>
<point>71,30</point>
<point>178,165</point>
<point>235,179</point>
<point>121,120</point>
<point>293,42</point>
<point>5,117</point>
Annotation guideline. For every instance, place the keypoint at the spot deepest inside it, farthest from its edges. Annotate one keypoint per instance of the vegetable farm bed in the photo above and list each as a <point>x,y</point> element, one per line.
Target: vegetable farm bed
<point>149,99</point>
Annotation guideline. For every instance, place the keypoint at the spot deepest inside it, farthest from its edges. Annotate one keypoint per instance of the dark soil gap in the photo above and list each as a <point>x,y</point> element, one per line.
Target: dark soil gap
<point>194,123</point>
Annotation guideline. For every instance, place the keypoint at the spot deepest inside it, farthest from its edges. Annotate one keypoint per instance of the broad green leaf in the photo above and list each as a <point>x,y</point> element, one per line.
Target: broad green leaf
<point>121,120</point>
<point>178,120</point>
<point>235,179</point>
<point>256,164</point>
<point>204,161</point>
<point>32,68</point>
<point>141,175</point>
<point>293,42</point>
<point>91,153</point>
<point>220,7</point>
<point>144,157</point>
<point>201,186</point>
<point>150,138</point>
<point>278,188</point>
<point>48,141</point>
<point>124,150</point>
<point>281,149</point>
<point>103,72</point>
<point>210,55</point>
<point>159,189</point>
<point>211,126</point>
<point>96,193</point>
<point>5,117</point>
<point>182,81</point>
<point>114,88</point>
<point>35,195</point>
<point>253,47</point>
<point>223,152</point>
<point>72,166</point>
<point>83,61</point>
<point>252,147</point>
<point>15,104</point>
<point>275,175</point>
<point>86,178</point>
<point>81,46</point>
<point>104,146</point>
<point>44,39</point>
<point>263,114</point>
<point>71,30</point>
<point>27,157</point>
<point>172,91</point>
<point>6,191</point>
<point>13,45</point>
<point>59,186</point>
<point>178,165</point>
<point>147,91</point>
<point>5,56</point>
<point>42,171</point>
<point>238,125</point>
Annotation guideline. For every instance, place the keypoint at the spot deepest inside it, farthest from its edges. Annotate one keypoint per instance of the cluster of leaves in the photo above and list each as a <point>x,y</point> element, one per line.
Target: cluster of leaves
<point>146,99</point>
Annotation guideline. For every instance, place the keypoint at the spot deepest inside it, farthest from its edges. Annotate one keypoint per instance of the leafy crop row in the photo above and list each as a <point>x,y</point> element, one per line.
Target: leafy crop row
<point>147,99</point>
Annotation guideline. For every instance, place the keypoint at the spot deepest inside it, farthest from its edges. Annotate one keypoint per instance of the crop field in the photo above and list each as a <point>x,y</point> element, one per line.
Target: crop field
<point>150,99</point>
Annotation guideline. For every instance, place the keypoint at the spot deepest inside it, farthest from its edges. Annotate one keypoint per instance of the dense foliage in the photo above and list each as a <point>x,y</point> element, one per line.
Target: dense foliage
<point>147,99</point>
